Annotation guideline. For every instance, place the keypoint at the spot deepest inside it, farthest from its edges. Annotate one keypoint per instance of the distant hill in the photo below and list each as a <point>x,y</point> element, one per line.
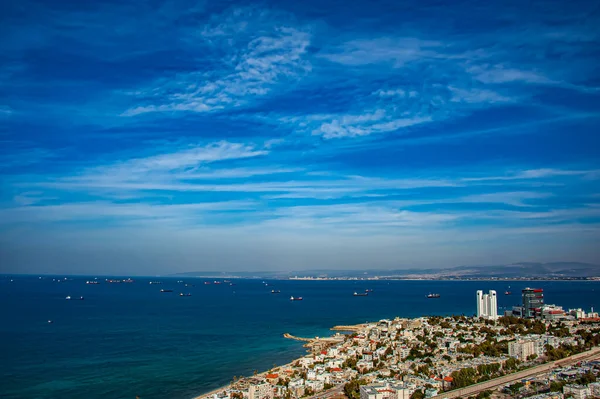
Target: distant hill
<point>516,270</point>
<point>526,269</point>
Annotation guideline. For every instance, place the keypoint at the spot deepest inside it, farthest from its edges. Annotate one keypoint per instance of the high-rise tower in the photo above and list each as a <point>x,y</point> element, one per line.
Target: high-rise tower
<point>487,305</point>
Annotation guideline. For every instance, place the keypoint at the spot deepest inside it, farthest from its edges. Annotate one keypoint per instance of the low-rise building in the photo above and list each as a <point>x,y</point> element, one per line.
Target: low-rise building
<point>262,390</point>
<point>386,390</point>
<point>577,391</point>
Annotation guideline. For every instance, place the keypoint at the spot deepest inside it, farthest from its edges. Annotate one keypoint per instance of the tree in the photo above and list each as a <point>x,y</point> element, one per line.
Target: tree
<point>418,394</point>
<point>514,388</point>
<point>352,388</point>
<point>557,386</point>
<point>464,377</point>
<point>587,378</point>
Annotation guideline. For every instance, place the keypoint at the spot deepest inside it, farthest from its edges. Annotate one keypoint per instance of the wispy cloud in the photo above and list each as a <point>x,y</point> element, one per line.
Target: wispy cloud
<point>250,69</point>
<point>186,159</point>
<point>539,174</point>
<point>397,51</point>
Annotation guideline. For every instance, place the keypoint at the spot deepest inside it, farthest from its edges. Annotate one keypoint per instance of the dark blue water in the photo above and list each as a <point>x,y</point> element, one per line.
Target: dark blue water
<point>125,340</point>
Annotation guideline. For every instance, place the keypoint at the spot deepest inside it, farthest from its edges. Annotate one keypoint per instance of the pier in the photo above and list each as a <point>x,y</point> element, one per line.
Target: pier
<point>290,336</point>
<point>316,344</point>
<point>355,328</point>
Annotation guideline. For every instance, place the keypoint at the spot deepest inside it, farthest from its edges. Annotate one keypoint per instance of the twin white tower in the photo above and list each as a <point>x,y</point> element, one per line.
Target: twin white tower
<point>487,305</point>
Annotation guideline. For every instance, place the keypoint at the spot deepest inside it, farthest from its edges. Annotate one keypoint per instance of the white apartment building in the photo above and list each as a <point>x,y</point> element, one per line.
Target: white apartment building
<point>260,391</point>
<point>385,391</point>
<point>595,389</point>
<point>521,349</point>
<point>577,391</point>
<point>487,305</point>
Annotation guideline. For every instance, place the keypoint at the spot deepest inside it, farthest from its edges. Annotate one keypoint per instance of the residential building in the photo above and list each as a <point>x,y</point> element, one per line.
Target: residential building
<point>386,390</point>
<point>595,389</point>
<point>577,391</point>
<point>487,305</point>
<point>260,391</point>
<point>521,349</point>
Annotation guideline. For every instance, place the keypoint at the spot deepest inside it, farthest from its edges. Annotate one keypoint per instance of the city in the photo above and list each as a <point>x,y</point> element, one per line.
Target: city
<point>535,350</point>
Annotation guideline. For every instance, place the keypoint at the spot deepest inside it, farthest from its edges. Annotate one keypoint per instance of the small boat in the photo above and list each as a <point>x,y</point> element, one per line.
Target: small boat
<point>368,290</point>
<point>154,282</point>
<point>275,292</point>
<point>68,298</point>
<point>50,322</point>
<point>128,280</point>
<point>299,298</point>
<point>361,294</point>
<point>92,282</point>
<point>81,298</point>
<point>189,285</point>
<point>507,293</point>
<point>182,294</point>
<point>433,295</point>
<point>163,290</point>
<point>179,281</point>
<point>217,282</point>
<point>231,284</point>
<point>206,282</point>
<point>226,281</point>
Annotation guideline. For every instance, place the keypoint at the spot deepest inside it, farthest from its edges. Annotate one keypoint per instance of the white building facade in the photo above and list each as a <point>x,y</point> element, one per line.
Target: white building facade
<point>487,305</point>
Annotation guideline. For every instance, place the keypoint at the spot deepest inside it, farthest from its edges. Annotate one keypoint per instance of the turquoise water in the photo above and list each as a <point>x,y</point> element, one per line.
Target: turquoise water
<point>125,340</point>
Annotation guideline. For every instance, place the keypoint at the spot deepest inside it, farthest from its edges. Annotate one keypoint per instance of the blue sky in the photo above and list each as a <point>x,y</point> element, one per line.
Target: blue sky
<point>151,137</point>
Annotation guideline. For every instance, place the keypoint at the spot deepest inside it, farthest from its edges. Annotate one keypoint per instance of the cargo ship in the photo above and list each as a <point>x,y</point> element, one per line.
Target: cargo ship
<point>163,290</point>
<point>433,295</point>
<point>361,294</point>
<point>182,294</point>
<point>299,298</point>
<point>275,291</point>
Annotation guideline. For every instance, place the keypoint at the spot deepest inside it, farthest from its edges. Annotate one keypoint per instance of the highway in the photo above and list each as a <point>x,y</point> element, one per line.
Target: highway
<point>510,378</point>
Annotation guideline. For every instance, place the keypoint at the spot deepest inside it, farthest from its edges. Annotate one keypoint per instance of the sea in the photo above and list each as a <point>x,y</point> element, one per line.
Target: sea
<point>130,340</point>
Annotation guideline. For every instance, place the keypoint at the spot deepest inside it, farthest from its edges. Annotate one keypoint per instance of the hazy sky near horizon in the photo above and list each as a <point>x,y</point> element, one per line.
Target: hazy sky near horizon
<point>149,137</point>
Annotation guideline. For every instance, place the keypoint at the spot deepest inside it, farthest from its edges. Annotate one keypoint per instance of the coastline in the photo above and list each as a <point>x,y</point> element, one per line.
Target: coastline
<point>279,369</point>
<point>228,386</point>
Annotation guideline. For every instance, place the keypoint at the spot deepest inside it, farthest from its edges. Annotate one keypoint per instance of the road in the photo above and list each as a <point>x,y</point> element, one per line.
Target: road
<point>510,378</point>
<point>329,394</point>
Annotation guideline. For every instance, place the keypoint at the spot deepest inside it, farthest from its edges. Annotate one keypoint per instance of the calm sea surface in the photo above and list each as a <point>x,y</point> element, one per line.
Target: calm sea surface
<point>125,340</point>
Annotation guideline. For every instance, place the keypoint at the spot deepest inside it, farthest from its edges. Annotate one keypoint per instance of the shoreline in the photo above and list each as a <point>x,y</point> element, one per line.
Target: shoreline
<point>279,369</point>
<point>261,374</point>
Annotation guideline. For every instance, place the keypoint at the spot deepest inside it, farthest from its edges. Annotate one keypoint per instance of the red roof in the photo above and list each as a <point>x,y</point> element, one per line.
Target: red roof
<point>336,369</point>
<point>448,379</point>
<point>323,352</point>
<point>272,376</point>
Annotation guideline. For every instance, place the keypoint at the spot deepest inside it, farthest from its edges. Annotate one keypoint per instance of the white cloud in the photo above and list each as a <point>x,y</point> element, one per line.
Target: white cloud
<point>251,68</point>
<point>183,159</point>
<point>499,74</point>
<point>477,96</point>
<point>399,51</point>
<point>538,174</point>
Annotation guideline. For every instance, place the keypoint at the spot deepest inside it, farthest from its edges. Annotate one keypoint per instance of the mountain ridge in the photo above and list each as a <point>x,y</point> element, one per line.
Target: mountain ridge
<point>513,270</point>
